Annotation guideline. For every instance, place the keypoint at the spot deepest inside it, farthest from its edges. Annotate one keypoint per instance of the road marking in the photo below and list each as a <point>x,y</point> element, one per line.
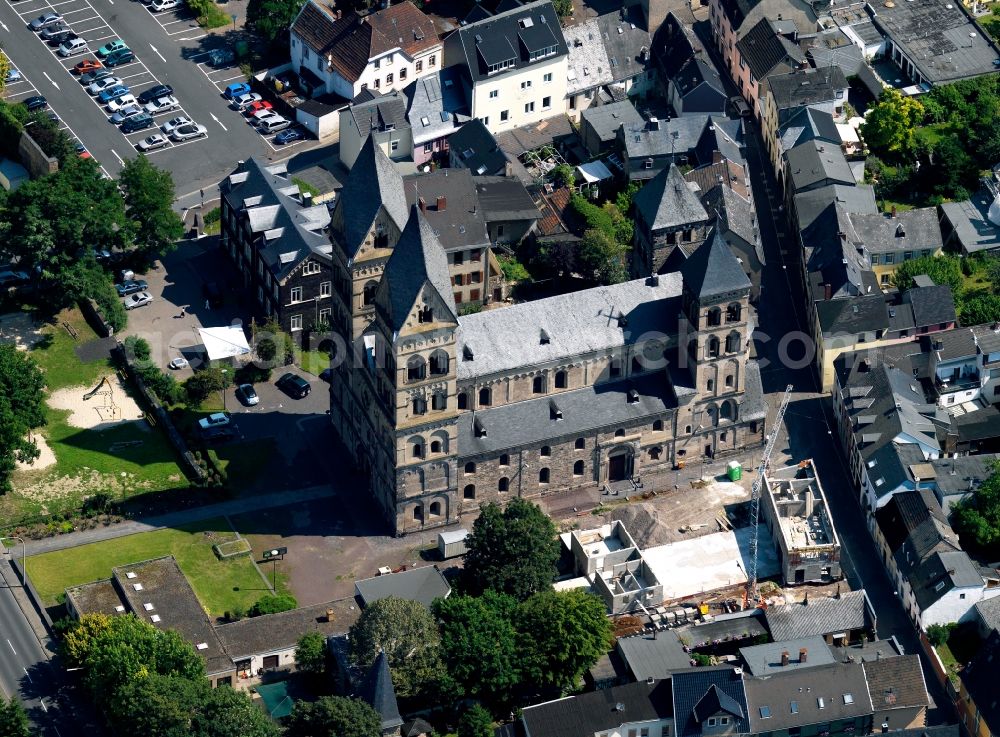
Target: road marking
<point>192,38</point>
<point>46,75</point>
<point>11,647</point>
<point>219,122</point>
<point>42,702</point>
<point>118,157</point>
<point>4,25</point>
<point>158,53</point>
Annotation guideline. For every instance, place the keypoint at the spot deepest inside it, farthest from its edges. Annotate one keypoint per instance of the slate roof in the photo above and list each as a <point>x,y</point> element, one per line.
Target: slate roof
<point>692,686</point>
<point>955,477</point>
<point>896,683</point>
<point>909,230</point>
<point>507,36</point>
<point>730,173</point>
<point>915,517</point>
<point>735,215</point>
<point>816,162</point>
<point>987,338</point>
<point>648,139</point>
<point>349,42</point>
<point>951,345</point>
<point>667,202</point>
<point>377,690</point>
<point>763,660</point>
<point>793,698</point>
<point>808,124</point>
<point>607,119</point>
<point>477,149</point>
<point>971,224</point>
<point>713,270</point>
<point>806,87</point>
<point>626,41</point>
<point>372,183</point>
<point>716,701</point>
<point>809,206</point>
<point>576,323</point>
<point>597,711</point>
<point>505,198</point>
<point>852,315</point>
<point>696,72</point>
<point>819,616</point>
<point>653,655</point>
<point>418,259</point>
<point>423,585</point>
<point>436,105</point>
<point>952,568</point>
<point>931,305</point>
<point>385,112</point>
<point>988,611</point>
<point>462,223</point>
<point>259,635</point>
<point>588,64</point>
<point>764,49</point>
<point>980,680</point>
<point>674,45</point>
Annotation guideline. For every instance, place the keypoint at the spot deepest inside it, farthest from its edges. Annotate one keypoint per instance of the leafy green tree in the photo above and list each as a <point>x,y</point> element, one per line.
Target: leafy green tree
<point>890,124</point>
<point>602,257</point>
<point>203,383</point>
<point>272,604</point>
<point>334,716</point>
<point>310,654</point>
<point>408,635</point>
<point>52,139</point>
<point>938,634</point>
<point>513,550</point>
<point>5,67</point>
<point>563,633</point>
<point>945,270</point>
<point>953,169</point>
<point>227,712</point>
<point>149,197</point>
<point>21,409</point>
<point>271,19</point>
<point>977,517</point>
<point>154,705</point>
<point>13,719</point>
<point>980,308</point>
<point>479,644</point>
<point>563,175</point>
<point>563,7</point>
<point>78,639</point>
<point>475,722</point>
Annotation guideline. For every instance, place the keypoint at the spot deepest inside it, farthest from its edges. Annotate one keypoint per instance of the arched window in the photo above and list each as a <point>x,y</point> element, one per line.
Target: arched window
<point>734,312</point>
<point>620,433</point>
<point>439,363</point>
<point>711,385</point>
<point>416,368</point>
<point>418,513</point>
<point>687,429</point>
<point>419,405</point>
<point>435,509</point>
<point>713,347</point>
<point>714,317</point>
<point>543,476</point>
<point>654,453</point>
<point>439,401</point>
<point>469,492</point>
<point>426,314</point>
<point>484,397</point>
<point>728,410</point>
<point>463,400</point>
<point>503,484</point>
<point>435,446</point>
<point>470,467</point>
<point>657,425</point>
<point>729,380</point>
<point>505,460</point>
<point>416,447</point>
<point>545,452</point>
<point>369,293</point>
<point>538,385</point>
<point>578,468</point>
<point>561,382</point>
<point>580,444</point>
<point>733,342</point>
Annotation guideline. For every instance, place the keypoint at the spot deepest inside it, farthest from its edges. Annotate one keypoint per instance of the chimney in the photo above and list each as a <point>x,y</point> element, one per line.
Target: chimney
<point>805,599</point>
<point>307,199</point>
<point>654,280</point>
<point>653,124</point>
<point>837,596</point>
<point>827,291</point>
<point>716,157</point>
<point>508,169</point>
<point>803,652</point>
<point>442,203</point>
<point>784,658</point>
<point>423,204</point>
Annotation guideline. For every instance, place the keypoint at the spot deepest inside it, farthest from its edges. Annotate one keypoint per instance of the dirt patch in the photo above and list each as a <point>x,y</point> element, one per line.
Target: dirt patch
<point>111,404</point>
<point>20,329</point>
<point>45,458</point>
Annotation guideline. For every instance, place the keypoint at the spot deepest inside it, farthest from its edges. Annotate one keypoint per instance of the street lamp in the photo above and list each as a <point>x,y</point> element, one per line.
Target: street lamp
<point>24,573</point>
<point>225,374</point>
<point>273,555</point>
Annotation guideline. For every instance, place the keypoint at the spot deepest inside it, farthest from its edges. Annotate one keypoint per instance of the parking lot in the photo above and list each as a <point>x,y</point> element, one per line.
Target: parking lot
<point>166,45</point>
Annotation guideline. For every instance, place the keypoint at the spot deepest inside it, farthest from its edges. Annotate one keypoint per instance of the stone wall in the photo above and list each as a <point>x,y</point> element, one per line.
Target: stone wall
<point>32,156</point>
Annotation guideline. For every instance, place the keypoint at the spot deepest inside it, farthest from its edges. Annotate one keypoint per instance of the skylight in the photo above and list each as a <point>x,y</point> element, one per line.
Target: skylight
<point>765,712</point>
<point>425,121</point>
<point>848,698</point>
<point>820,702</point>
<point>793,707</point>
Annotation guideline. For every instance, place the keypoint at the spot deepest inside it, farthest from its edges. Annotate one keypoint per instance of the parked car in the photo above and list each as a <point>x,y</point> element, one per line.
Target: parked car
<point>158,6</point>
<point>273,125</point>
<point>220,57</point>
<point>131,286</point>
<point>246,394</point>
<point>256,107</point>
<point>216,419</point>
<point>290,136</point>
<point>740,107</point>
<point>217,435</point>
<point>109,93</point>
<point>52,30</point>
<point>173,123</point>
<point>124,56</point>
<point>153,142</point>
<point>155,93</point>
<point>83,153</point>
<point>44,21</point>
<point>241,101</point>
<point>12,278</point>
<point>162,105</point>
<point>262,115</point>
<point>117,103</point>
<point>12,76</point>
<point>58,39</point>
<point>126,112</point>
<point>95,76</point>
<point>72,46</point>
<point>137,300</point>
<point>87,65</point>
<point>178,363</point>
<point>188,132</point>
<point>110,47</point>
<point>293,385</point>
<point>37,102</point>
<point>137,123</point>
<point>235,90</point>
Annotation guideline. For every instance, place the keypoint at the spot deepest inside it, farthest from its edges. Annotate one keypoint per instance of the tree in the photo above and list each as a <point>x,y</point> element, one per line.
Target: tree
<point>512,551</point>
<point>227,712</point>
<point>13,719</point>
<point>563,175</point>
<point>78,640</point>
<point>21,409</point>
<point>52,139</point>
<point>563,633</point>
<point>5,67</point>
<point>272,604</point>
<point>945,270</point>
<point>980,308</point>
<point>890,124</point>
<point>602,257</point>
<point>310,654</point>
<point>977,517</point>
<point>938,634</point>
<point>334,716</point>
<point>198,387</point>
<point>271,19</point>
<point>149,196</point>
<point>475,722</point>
<point>953,169</point>
<point>563,7</point>
<point>408,635</point>
<point>479,644</point>
<point>154,705</point>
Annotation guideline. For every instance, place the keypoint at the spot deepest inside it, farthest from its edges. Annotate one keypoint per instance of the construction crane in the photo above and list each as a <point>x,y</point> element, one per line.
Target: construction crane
<point>750,595</point>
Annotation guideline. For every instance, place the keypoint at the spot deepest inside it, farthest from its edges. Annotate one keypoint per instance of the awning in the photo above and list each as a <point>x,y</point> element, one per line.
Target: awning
<point>595,171</point>
<point>224,342</point>
<point>848,133</point>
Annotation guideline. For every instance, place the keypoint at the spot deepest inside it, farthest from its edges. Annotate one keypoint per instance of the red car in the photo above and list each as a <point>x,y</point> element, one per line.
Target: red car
<point>256,107</point>
<point>87,65</point>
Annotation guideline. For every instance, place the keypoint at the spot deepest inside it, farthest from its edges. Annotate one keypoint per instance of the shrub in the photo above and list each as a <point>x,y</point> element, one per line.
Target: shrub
<point>137,348</point>
<point>209,14</point>
<point>513,270</point>
<point>563,175</point>
<point>202,384</point>
<point>272,604</point>
<point>214,215</point>
<point>938,634</point>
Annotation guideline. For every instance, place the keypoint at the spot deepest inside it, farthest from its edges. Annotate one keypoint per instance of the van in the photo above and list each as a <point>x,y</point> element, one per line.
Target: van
<point>72,46</point>
<point>273,125</point>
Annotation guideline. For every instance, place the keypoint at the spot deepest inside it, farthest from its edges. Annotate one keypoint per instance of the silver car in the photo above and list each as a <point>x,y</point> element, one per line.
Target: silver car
<point>153,142</point>
<point>98,86</point>
<point>45,20</point>
<point>137,300</point>
<point>189,131</point>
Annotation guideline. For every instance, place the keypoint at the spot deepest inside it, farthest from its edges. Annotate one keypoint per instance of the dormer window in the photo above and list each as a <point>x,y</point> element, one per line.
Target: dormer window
<point>543,338</point>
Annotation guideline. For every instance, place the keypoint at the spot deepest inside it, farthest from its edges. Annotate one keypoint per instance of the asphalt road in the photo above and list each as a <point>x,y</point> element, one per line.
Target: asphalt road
<point>169,51</point>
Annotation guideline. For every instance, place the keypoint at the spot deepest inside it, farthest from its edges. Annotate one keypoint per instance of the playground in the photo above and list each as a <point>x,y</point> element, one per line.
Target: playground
<point>92,406</point>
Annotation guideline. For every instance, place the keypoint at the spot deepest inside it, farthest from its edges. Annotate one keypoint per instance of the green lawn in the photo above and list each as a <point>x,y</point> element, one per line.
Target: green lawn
<point>932,134</point>
<point>220,585</point>
<point>56,356</point>
<point>314,361</point>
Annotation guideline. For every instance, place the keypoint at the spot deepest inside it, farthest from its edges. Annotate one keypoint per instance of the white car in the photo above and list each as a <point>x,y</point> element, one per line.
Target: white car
<point>189,131</point>
<point>153,142</point>
<point>125,113</point>
<point>158,6</point>
<point>137,300</point>
<point>262,115</point>
<point>178,363</point>
<point>123,101</point>
<point>100,85</point>
<point>173,123</point>
<point>218,419</point>
<point>74,46</point>
<point>163,105</point>
<point>240,102</point>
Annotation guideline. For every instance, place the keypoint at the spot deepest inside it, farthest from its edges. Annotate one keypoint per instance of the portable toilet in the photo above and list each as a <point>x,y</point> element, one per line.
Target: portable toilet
<point>734,469</point>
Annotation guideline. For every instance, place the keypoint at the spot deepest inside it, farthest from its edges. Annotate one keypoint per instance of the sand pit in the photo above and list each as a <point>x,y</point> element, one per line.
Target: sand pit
<point>45,458</point>
<point>18,328</point>
<point>101,409</point>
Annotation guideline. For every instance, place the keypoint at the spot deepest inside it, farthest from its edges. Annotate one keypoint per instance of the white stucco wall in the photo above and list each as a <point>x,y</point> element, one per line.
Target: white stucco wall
<point>512,97</point>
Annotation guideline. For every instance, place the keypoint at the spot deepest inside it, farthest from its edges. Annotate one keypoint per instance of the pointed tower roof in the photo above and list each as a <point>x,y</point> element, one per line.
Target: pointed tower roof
<point>668,202</point>
<point>417,259</point>
<point>713,269</point>
<point>373,182</point>
<point>378,691</point>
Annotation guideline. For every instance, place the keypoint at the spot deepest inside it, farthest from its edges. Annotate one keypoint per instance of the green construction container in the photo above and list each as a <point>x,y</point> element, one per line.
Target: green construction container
<point>734,470</point>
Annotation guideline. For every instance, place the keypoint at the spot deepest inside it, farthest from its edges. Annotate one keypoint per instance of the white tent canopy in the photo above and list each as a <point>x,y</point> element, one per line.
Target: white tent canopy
<point>595,171</point>
<point>224,342</point>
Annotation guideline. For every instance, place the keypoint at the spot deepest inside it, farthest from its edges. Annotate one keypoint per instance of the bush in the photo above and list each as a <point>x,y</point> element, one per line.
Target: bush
<point>563,175</point>
<point>209,14</point>
<point>272,604</point>
<point>938,634</point>
<point>202,384</point>
<point>214,215</point>
<point>513,270</point>
<point>252,374</point>
<point>137,348</point>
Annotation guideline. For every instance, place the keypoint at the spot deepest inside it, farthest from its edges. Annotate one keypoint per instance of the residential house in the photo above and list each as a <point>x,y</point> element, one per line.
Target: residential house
<point>510,212</point>
<point>345,53</point>
<point>588,66</point>
<point>894,239</point>
<point>800,126</point>
<point>973,225</point>
<point>710,701</point>
<point>599,125</point>
<point>628,44</point>
<point>668,216</point>
<point>697,88</point>
<point>514,65</point>
<point>898,692</point>
<point>436,109</point>
<point>987,616</point>
<point>422,585</point>
<point>656,654</point>
<point>814,165</point>
<point>473,147</point>
<point>978,705</point>
<point>384,118</point>
<point>685,140</point>
<point>785,656</point>
<point>635,708</point>
<point>840,619</point>
<point>768,48</point>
